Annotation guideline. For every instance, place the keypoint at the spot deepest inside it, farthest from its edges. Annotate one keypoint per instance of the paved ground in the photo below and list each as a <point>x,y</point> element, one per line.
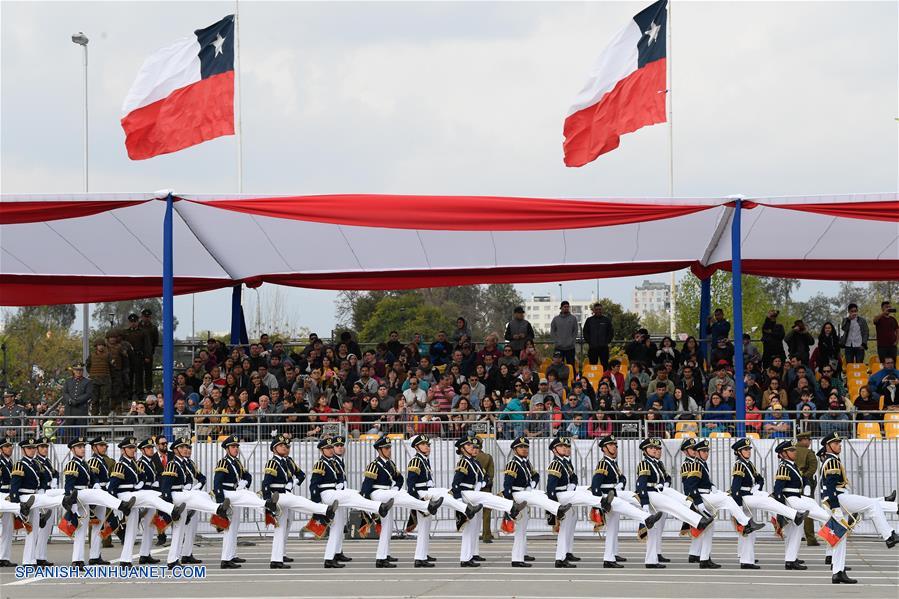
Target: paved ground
<point>876,567</point>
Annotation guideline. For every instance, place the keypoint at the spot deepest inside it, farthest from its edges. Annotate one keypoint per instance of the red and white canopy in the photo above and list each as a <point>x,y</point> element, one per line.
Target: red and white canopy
<point>100,247</point>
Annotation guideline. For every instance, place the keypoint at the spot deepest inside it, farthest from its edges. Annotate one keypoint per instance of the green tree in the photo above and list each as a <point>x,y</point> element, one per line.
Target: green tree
<point>119,311</point>
<point>495,309</point>
<point>756,302</point>
<point>780,290</point>
<point>39,352</point>
<point>59,315</point>
<point>657,323</point>
<point>408,314</point>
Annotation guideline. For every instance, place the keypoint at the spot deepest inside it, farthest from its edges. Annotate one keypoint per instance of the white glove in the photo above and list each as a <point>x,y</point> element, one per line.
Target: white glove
<point>572,487</point>
<point>620,486</point>
<point>807,491</point>
<point>197,486</point>
<point>667,484</point>
<point>242,484</point>
<point>97,486</point>
<point>431,484</point>
<point>139,485</point>
<point>714,489</point>
<point>54,484</point>
<point>533,485</point>
<point>288,486</point>
<point>339,486</point>
<point>394,488</point>
<point>759,486</point>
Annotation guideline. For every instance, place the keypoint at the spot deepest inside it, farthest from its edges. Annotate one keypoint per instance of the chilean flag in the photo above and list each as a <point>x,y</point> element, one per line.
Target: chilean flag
<point>183,94</point>
<point>625,91</point>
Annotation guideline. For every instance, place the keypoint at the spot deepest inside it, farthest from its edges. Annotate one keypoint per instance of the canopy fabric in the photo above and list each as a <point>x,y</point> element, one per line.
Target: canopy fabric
<point>103,247</point>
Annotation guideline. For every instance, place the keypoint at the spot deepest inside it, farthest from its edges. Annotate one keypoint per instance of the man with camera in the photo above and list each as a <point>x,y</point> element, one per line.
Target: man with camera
<point>887,329</point>
<point>799,341</point>
<point>772,338</point>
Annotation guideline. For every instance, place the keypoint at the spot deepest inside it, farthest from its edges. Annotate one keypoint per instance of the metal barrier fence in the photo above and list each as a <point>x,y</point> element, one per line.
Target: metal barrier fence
<point>872,466</point>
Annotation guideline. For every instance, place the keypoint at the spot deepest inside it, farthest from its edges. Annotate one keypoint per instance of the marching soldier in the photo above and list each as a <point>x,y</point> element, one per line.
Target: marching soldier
<point>151,522</point>
<point>420,484</point>
<point>232,481</point>
<point>689,465</point>
<point>834,485</point>
<point>25,482</point>
<point>49,486</point>
<point>152,333</point>
<point>607,478</point>
<point>9,510</point>
<point>808,468</point>
<point>282,475</point>
<point>520,483</point>
<point>338,443</point>
<point>468,481</point>
<point>327,485</point>
<point>705,496</point>
<point>383,482</point>
<point>562,486</point>
<point>792,488</point>
<point>181,483</point>
<point>139,341</point>
<point>126,481</point>
<point>746,490</point>
<point>81,484</point>
<point>101,465</point>
<point>652,484</point>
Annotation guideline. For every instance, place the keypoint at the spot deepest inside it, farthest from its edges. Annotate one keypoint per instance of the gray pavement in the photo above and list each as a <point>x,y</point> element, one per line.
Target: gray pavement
<point>876,568</point>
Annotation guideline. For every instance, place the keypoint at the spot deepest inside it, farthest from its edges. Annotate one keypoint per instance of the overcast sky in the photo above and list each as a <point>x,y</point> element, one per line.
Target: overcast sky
<point>771,98</point>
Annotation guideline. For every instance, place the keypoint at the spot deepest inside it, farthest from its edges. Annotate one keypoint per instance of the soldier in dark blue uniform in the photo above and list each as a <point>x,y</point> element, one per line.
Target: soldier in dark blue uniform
<point>50,486</point>
<point>383,481</point>
<point>152,522</point>
<point>9,511</point>
<point>608,478</point>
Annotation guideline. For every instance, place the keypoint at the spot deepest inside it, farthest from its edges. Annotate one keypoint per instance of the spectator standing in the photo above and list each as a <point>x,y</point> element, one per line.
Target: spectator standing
<point>718,326</point>
<point>855,335</point>
<point>152,332</point>
<point>140,354</point>
<point>799,341</point>
<point>12,415</point>
<point>828,349</point>
<point>76,396</point>
<point>887,331</point>
<point>518,331</point>
<point>98,368</point>
<point>598,333</point>
<point>772,338</point>
<point>563,330</point>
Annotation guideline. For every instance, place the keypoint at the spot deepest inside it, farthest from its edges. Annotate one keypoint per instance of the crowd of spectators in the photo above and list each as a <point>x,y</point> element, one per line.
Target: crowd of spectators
<point>453,386</point>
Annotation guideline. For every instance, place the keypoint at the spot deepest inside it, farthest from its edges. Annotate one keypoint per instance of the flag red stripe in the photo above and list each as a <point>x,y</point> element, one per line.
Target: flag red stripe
<point>193,114</point>
<point>886,211</point>
<point>636,101</point>
<point>455,213</point>
<point>38,290</point>
<point>13,213</point>
<point>823,270</point>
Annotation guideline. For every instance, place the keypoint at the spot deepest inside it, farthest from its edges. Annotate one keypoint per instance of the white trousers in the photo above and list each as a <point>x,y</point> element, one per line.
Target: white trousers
<point>287,502</point>
<point>488,500</point>
<point>190,535</point>
<point>383,551</point>
<point>746,549</point>
<point>654,538</point>
<point>197,500</point>
<point>520,540</point>
<point>147,499</point>
<point>96,541</point>
<point>241,498</point>
<point>722,501</point>
<point>80,536</point>
<point>148,534</point>
<point>400,499</point>
<point>470,534</point>
<point>335,534</point>
<point>7,532</point>
<point>759,500</point>
<point>350,498</point>
<point>183,533</point>
<point>675,506</point>
<point>34,540</point>
<point>537,498</point>
<point>448,500</point>
<point>423,540</point>
<point>870,508</point>
<point>8,507</point>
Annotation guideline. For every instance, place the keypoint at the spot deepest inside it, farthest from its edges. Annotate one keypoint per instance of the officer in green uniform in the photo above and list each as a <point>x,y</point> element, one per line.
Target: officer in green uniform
<point>808,467</point>
<point>486,462</point>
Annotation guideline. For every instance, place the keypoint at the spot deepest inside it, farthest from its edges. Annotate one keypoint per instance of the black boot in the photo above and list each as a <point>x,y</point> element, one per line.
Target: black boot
<point>570,557</point>
<point>383,563</point>
<point>655,566</point>
<point>693,559</point>
<point>478,558</point>
<point>333,563</point>
<point>278,566</point>
<point>125,507</point>
<point>240,560</point>
<point>708,564</point>
<point>800,518</point>
<point>470,564</point>
<point>563,509</point>
<point>794,566</point>
<point>391,559</point>
<point>517,507</point>
<point>229,565</point>
<point>97,561</point>
<point>530,558</point>
<point>423,563</point>
<point>611,565</point>
<point>651,520</point>
<point>606,503</point>
<point>750,567</point>
<point>828,560</point>
<point>385,507</point>
<point>894,538</point>
<point>560,563</point>
<point>842,578</point>
<point>619,558</point>
<point>340,557</point>
<point>752,527</point>
<point>521,565</point>
<point>472,510</point>
<point>147,559</point>
<point>662,559</point>
<point>434,505</point>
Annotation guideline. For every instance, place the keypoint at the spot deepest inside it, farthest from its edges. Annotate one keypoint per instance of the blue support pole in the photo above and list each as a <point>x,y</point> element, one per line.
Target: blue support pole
<point>705,310</point>
<point>736,274</point>
<point>168,314</point>
<point>236,314</point>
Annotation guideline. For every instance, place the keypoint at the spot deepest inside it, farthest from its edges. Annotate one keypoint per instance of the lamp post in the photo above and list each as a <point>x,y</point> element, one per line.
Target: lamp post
<point>82,40</point>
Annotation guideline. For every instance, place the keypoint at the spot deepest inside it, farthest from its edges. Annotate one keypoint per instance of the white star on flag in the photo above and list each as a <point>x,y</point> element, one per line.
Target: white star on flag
<point>653,32</point>
<point>220,41</point>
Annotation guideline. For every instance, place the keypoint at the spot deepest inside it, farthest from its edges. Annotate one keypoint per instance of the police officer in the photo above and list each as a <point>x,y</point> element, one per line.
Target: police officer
<point>152,523</point>
<point>49,486</point>
<point>25,483</point>
<point>808,468</point>
<point>468,481</point>
<point>608,478</point>
<point>834,486</point>
<point>137,337</point>
<point>9,510</point>
<point>792,488</point>
<point>420,484</point>
<point>653,482</point>
<point>282,475</point>
<point>126,481</point>
<point>81,483</point>
<point>181,483</point>
<point>232,480</point>
<point>383,481</point>
<point>562,486</point>
<point>520,482</point>
<point>327,485</point>
<point>152,332</point>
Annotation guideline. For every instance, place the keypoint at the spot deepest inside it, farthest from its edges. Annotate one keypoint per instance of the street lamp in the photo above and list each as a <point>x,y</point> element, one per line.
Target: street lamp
<point>82,40</point>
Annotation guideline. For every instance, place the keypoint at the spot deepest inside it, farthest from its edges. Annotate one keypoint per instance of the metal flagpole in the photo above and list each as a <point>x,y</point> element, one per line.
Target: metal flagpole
<point>82,40</point>
<point>237,97</point>
<point>168,313</point>
<point>670,100</point>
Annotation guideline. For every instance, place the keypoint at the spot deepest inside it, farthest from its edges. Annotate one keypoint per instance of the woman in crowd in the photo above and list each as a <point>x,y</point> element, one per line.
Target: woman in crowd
<point>232,414</point>
<point>205,420</point>
<point>774,394</point>
<point>400,418</point>
<point>691,351</point>
<point>372,417</point>
<point>462,418</point>
<point>866,405</point>
<point>828,350</point>
<point>667,352</point>
<point>718,416</point>
<point>529,355</point>
<point>600,423</point>
<point>685,407</point>
<point>655,427</point>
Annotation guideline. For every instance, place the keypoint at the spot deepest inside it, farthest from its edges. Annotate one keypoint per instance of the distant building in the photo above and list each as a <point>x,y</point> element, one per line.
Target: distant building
<point>541,309</point>
<point>651,298</point>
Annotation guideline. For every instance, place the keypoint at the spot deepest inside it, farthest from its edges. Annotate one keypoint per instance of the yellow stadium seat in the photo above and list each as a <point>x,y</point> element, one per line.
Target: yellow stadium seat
<point>486,436</point>
<point>891,416</point>
<point>875,364</point>
<point>724,435</point>
<point>752,435</point>
<point>686,426</point>
<point>891,428</point>
<point>868,430</point>
<point>684,434</point>
<point>368,437</point>
<point>396,436</point>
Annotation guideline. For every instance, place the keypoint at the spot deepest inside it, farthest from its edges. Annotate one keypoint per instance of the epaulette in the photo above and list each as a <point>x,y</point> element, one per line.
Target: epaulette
<point>738,470</point>
<point>70,469</point>
<point>318,467</point>
<point>222,466</point>
<point>272,468</point>
<point>118,471</point>
<point>372,470</point>
<point>600,468</point>
<point>170,470</point>
<point>17,470</point>
<point>462,466</point>
<point>832,466</point>
<point>555,469</point>
<point>414,465</point>
<point>782,473</point>
<point>511,468</point>
<point>643,468</point>
<point>94,465</point>
<point>690,469</point>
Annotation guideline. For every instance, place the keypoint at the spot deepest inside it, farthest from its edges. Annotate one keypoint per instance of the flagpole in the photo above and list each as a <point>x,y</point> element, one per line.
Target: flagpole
<point>670,100</point>
<point>237,97</point>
